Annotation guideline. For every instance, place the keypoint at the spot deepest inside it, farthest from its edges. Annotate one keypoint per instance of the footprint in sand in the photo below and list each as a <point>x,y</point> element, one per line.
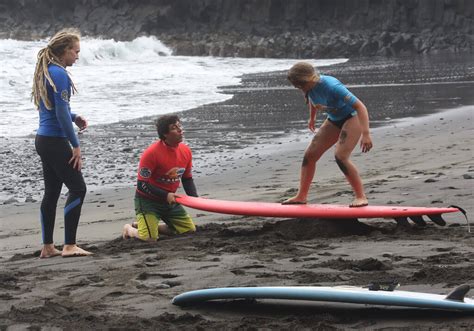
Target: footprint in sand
<point>148,275</point>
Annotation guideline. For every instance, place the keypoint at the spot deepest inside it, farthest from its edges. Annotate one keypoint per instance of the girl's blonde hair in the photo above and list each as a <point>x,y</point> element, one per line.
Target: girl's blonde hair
<point>303,72</point>
<point>59,43</point>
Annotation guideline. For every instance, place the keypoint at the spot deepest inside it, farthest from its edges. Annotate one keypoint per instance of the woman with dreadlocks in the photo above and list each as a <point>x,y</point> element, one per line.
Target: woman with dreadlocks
<point>52,88</point>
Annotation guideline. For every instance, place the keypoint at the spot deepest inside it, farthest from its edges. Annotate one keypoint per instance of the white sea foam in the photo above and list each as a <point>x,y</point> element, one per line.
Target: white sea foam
<point>119,81</point>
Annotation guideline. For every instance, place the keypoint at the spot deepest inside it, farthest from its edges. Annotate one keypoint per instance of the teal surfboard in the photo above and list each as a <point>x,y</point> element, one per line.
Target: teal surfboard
<point>455,300</point>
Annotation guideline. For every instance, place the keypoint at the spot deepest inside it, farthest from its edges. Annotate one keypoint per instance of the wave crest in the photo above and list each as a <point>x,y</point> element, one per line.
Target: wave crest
<point>94,51</point>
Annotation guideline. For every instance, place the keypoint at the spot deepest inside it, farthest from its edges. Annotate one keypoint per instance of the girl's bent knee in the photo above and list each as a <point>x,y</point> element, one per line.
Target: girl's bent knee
<point>341,163</point>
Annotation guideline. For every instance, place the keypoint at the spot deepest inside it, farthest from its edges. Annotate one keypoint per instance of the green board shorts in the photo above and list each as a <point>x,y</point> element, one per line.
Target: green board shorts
<point>149,213</point>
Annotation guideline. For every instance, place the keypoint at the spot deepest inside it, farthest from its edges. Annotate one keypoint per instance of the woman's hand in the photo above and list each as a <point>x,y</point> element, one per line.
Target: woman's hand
<point>81,122</point>
<point>76,158</point>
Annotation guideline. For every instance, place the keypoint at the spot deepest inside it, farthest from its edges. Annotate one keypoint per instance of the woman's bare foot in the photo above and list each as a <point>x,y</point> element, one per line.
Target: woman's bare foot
<point>49,251</point>
<point>359,202</point>
<point>74,250</point>
<point>294,201</point>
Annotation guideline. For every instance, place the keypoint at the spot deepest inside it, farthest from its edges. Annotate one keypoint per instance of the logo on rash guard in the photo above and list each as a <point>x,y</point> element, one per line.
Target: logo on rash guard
<point>321,107</point>
<point>65,96</point>
<point>173,175</point>
<point>145,172</point>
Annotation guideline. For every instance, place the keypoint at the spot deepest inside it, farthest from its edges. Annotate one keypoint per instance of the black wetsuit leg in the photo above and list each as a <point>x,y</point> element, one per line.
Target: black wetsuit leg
<point>55,154</point>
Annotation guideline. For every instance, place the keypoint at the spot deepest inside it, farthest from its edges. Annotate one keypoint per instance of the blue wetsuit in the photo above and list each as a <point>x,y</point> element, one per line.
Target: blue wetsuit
<point>53,142</point>
<point>337,101</point>
<point>57,122</point>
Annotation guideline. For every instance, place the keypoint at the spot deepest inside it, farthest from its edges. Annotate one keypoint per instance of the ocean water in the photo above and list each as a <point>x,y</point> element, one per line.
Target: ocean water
<point>120,81</point>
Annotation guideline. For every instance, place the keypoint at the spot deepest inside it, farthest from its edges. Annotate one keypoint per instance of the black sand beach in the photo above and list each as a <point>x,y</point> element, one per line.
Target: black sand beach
<point>250,148</point>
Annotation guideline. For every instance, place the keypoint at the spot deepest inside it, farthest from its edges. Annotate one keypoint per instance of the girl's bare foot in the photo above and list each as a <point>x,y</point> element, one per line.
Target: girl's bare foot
<point>49,251</point>
<point>294,201</point>
<point>74,250</point>
<point>359,202</point>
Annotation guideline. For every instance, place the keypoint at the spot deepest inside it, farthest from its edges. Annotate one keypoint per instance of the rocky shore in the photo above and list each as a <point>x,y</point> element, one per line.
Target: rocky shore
<point>253,28</point>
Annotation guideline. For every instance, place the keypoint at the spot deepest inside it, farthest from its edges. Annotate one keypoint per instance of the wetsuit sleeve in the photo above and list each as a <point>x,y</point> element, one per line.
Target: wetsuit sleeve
<point>342,93</point>
<point>151,190</point>
<point>188,171</point>
<point>189,187</point>
<point>187,179</point>
<point>61,104</point>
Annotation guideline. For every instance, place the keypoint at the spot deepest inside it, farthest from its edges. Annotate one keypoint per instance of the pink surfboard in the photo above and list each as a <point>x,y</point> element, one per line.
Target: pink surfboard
<point>269,209</point>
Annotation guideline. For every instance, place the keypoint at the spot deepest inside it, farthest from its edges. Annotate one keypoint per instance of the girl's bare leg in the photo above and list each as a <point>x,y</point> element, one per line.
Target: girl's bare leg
<point>326,137</point>
<point>348,139</point>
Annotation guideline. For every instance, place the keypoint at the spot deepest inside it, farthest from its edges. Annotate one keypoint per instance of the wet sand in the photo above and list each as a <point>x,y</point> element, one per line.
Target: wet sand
<point>247,149</point>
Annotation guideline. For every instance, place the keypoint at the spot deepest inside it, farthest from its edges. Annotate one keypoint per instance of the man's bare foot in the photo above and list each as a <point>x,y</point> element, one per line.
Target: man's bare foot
<point>125,229</point>
<point>74,250</point>
<point>294,201</point>
<point>359,202</point>
<point>129,231</point>
<point>49,251</point>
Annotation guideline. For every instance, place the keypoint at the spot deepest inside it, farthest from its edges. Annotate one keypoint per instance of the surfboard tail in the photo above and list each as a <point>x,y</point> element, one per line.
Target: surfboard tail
<point>464,212</point>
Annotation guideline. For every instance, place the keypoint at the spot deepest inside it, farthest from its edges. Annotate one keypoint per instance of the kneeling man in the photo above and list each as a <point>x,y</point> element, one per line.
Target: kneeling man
<point>163,165</point>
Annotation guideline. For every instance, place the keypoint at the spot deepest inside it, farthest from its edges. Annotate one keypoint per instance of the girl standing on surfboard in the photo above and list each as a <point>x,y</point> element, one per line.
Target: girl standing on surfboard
<point>347,120</point>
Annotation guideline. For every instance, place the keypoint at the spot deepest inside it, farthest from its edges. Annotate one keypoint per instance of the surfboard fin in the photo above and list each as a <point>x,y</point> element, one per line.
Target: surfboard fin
<point>402,221</point>
<point>458,293</point>
<point>437,219</point>
<point>418,220</point>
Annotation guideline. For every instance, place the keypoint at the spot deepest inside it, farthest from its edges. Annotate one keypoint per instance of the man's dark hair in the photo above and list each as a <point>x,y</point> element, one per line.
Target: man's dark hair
<point>163,124</point>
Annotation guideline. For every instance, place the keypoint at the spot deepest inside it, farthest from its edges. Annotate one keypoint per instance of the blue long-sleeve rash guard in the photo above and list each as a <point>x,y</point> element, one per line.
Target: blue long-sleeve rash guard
<point>57,122</point>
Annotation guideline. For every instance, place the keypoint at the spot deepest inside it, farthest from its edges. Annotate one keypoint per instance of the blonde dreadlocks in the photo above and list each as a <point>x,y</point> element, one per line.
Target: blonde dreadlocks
<point>56,47</point>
